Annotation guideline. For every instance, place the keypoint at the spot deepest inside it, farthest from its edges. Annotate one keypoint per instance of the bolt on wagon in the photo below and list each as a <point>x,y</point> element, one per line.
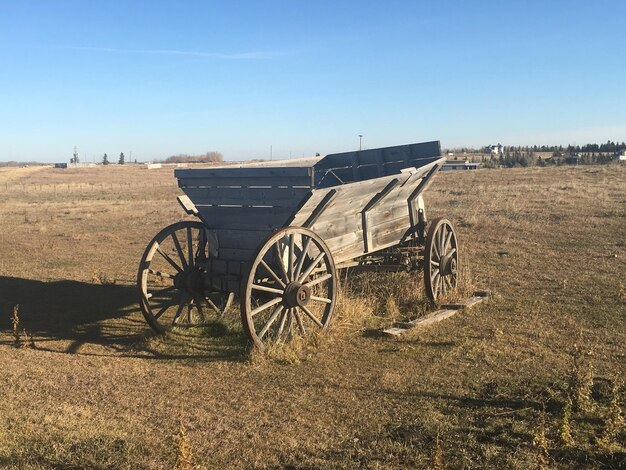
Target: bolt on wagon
<point>275,234</point>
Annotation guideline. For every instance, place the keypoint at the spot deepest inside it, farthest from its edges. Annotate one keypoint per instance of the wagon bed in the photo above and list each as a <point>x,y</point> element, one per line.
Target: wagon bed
<point>358,202</point>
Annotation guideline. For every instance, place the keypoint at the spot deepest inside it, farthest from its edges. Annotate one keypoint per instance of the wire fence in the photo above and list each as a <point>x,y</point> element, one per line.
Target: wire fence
<point>12,187</point>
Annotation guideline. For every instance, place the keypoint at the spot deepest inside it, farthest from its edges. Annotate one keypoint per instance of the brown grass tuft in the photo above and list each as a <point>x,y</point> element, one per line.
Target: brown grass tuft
<point>613,423</point>
<point>581,379</point>
<point>15,322</point>
<point>541,443</point>
<point>184,456</point>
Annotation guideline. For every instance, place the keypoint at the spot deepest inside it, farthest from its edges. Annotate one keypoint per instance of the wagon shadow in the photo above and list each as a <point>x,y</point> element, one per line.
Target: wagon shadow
<point>82,318</point>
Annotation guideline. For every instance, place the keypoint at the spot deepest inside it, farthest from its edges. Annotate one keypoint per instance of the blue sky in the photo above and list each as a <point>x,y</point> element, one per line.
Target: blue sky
<point>161,78</point>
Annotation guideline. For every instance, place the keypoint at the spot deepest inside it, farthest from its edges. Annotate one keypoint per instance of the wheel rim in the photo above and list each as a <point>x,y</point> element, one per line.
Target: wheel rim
<point>290,289</point>
<point>441,270</point>
<point>171,279</point>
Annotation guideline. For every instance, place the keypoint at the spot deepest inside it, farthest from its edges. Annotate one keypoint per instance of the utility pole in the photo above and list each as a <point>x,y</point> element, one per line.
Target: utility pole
<point>270,152</point>
<point>360,141</point>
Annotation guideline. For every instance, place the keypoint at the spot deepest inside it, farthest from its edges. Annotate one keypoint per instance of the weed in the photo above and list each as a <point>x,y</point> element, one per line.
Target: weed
<point>184,456</point>
<point>613,422</point>
<point>103,279</point>
<point>565,428</point>
<point>581,379</point>
<point>438,462</point>
<point>15,321</point>
<point>541,443</point>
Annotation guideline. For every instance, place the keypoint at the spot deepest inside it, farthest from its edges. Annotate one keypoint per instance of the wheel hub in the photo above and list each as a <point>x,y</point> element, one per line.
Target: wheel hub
<point>444,266</point>
<point>296,295</point>
<point>192,281</point>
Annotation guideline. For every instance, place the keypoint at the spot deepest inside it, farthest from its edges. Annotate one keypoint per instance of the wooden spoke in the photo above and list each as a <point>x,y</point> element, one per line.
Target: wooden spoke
<point>272,273</point>
<point>434,263</point>
<point>268,289</point>
<point>179,250</point>
<point>442,234</point>
<point>311,267</point>
<point>271,320</point>
<point>190,246</point>
<point>321,299</point>
<point>189,312</point>
<point>160,274</point>
<point>311,316</point>
<point>299,321</point>
<point>211,304</point>
<point>164,307</point>
<point>160,292</point>
<point>290,257</point>
<point>451,252</point>
<point>169,260</point>
<point>318,280</point>
<point>178,312</point>
<point>265,306</point>
<point>303,255</point>
<point>447,242</point>
<point>200,309</point>
<point>280,262</point>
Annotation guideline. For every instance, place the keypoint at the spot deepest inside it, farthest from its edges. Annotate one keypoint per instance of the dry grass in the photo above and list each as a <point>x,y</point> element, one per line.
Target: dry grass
<point>475,391</point>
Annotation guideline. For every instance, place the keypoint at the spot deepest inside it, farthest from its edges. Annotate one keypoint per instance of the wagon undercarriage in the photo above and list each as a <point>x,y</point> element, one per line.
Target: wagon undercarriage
<point>275,237</point>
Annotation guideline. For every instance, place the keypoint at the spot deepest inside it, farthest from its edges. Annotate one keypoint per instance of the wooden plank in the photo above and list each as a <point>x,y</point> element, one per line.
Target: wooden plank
<point>255,218</point>
<point>446,311</point>
<point>320,208</point>
<point>249,239</point>
<point>249,172</point>
<point>394,331</point>
<point>429,319</point>
<point>275,197</point>
<point>236,254</point>
<point>465,304</point>
<point>226,182</point>
<point>368,244</point>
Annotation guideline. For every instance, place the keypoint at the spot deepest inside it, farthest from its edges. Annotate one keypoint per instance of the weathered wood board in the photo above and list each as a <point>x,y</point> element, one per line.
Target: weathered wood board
<point>446,311</point>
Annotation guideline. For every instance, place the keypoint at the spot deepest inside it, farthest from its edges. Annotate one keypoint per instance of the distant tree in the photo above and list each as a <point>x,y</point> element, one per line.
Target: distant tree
<point>121,160</point>
<point>105,159</point>
<point>208,157</point>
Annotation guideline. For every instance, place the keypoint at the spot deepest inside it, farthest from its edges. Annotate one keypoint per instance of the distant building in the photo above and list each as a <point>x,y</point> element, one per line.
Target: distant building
<point>622,157</point>
<point>450,165</point>
<point>495,149</point>
<point>60,165</point>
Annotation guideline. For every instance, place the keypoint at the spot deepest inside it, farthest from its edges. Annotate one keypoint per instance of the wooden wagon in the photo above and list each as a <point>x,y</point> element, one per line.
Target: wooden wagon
<point>275,234</point>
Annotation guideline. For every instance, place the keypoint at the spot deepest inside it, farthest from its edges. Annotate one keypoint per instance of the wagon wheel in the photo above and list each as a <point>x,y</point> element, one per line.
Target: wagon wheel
<point>172,289</point>
<point>290,289</point>
<point>441,259</point>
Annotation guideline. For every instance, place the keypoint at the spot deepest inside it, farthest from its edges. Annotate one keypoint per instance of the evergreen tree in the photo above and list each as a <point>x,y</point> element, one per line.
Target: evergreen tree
<point>105,159</point>
<point>121,160</point>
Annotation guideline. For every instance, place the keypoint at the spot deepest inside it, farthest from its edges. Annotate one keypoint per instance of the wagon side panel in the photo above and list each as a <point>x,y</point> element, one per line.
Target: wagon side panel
<point>241,206</point>
<point>368,215</point>
<point>350,167</point>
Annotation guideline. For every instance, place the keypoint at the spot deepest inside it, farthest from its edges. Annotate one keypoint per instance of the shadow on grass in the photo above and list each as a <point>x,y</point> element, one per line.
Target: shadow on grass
<point>86,314</point>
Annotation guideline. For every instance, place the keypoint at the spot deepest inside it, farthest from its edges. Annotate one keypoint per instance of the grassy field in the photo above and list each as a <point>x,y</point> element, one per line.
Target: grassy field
<point>530,379</point>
